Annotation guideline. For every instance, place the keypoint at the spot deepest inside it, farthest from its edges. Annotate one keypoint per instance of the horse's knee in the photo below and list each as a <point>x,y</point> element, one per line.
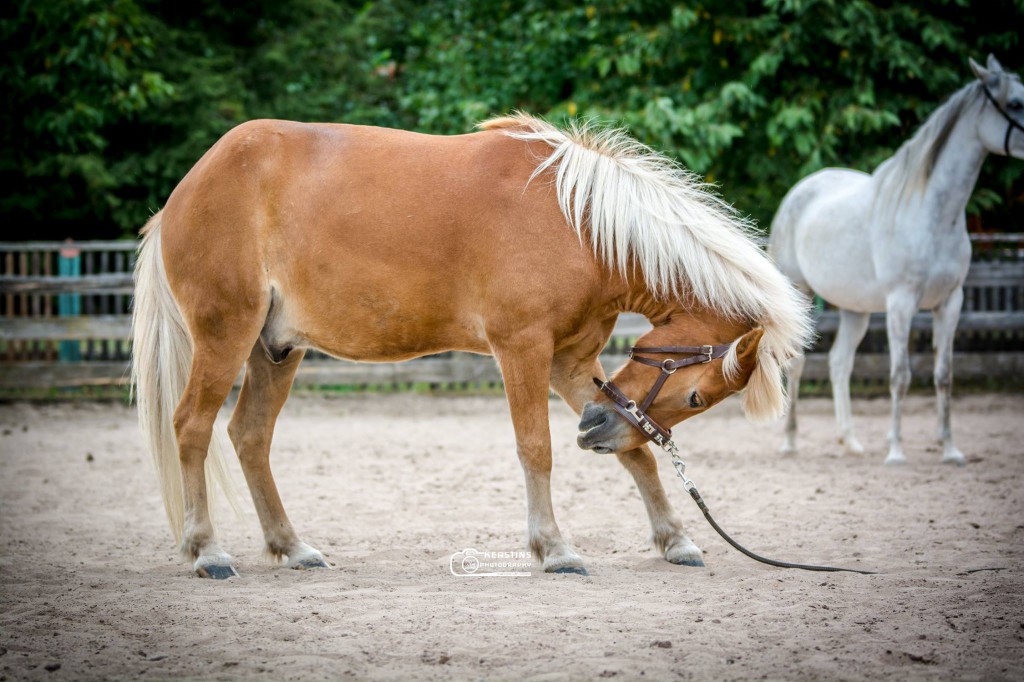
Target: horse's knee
<point>899,378</point>
<point>838,361</point>
<point>943,376</point>
<point>535,456</point>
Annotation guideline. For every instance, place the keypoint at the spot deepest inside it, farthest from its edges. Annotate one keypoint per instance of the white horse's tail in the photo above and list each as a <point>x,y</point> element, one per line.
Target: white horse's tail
<point>161,359</point>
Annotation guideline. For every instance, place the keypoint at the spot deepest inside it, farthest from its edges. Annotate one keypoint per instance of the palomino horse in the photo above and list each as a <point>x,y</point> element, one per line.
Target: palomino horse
<point>522,241</point>
<point>896,241</point>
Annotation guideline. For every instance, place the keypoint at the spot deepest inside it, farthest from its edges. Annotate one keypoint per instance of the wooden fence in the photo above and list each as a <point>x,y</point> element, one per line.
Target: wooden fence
<point>65,321</point>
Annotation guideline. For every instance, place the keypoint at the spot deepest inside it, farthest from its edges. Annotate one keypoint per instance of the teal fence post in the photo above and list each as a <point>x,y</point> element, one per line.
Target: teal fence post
<point>69,305</point>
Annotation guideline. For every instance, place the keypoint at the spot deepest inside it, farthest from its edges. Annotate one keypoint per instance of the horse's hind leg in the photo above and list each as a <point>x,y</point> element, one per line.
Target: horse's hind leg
<point>852,327</point>
<point>572,381</point>
<point>794,371</point>
<point>264,391</point>
<point>213,372</point>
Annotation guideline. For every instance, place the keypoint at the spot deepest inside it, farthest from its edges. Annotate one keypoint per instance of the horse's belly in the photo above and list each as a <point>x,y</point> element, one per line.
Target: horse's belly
<point>368,323</point>
<point>393,335</point>
<point>834,252</point>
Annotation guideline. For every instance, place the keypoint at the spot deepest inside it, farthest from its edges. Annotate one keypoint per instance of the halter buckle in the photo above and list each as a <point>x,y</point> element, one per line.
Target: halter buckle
<point>707,350</point>
<point>667,367</point>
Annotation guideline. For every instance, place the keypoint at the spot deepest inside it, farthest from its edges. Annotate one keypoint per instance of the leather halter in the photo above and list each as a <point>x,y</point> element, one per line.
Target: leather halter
<point>637,415</point>
<point>1011,123</point>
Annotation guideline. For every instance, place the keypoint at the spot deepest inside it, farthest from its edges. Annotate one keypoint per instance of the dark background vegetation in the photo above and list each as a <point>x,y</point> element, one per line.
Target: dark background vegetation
<point>108,104</point>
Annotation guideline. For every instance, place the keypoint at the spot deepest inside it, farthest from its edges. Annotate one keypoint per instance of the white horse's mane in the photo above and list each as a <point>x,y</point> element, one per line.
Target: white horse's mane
<point>642,209</point>
<point>910,168</point>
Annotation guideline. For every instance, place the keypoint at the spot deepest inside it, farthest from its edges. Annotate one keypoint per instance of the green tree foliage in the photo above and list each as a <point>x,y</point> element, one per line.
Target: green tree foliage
<point>110,103</point>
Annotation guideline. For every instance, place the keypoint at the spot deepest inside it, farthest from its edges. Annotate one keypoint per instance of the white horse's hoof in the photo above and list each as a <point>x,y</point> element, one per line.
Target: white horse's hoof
<point>951,455</point>
<point>215,566</point>
<point>685,554</point>
<point>306,557</point>
<point>851,446</point>
<point>788,449</point>
<point>895,458</point>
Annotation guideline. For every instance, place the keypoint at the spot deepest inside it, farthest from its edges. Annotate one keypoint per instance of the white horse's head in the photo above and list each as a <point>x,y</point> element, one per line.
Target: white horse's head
<point>1001,121</point>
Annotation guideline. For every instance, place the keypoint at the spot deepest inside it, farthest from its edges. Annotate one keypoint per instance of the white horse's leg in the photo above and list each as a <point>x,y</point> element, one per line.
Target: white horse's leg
<point>945,318</point>
<point>900,309</point>
<point>852,327</point>
<point>794,370</point>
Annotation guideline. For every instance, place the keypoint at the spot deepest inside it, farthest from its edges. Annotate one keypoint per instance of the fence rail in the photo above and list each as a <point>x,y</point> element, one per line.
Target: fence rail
<point>64,321</point>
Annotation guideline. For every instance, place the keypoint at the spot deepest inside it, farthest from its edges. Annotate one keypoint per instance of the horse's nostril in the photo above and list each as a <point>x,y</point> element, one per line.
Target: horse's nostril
<point>592,416</point>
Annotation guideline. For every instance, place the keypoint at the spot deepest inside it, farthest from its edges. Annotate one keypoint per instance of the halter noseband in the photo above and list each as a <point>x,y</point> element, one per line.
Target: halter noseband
<point>637,415</point>
<point>1011,123</point>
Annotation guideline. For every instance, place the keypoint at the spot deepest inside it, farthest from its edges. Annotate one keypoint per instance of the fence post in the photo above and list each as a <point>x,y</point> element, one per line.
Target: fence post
<point>70,305</point>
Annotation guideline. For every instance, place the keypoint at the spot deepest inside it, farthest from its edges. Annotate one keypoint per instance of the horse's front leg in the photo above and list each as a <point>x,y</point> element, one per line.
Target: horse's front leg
<point>571,379</point>
<point>525,369</point>
<point>944,324</point>
<point>900,309</point>
<point>666,526</point>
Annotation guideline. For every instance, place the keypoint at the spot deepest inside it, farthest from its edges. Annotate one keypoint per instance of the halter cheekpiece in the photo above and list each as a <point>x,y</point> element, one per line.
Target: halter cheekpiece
<point>1011,123</point>
<point>637,415</point>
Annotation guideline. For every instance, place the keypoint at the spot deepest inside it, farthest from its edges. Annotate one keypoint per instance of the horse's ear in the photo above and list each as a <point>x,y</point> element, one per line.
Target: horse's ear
<point>980,71</point>
<point>993,64</point>
<point>746,352</point>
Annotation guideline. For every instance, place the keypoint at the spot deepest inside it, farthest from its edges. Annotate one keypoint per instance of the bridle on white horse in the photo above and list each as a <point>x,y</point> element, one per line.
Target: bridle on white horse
<point>638,418</point>
<point>1011,123</point>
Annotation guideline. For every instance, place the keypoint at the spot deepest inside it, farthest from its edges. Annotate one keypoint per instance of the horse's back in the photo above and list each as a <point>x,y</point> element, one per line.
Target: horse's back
<point>820,236</point>
<point>376,243</point>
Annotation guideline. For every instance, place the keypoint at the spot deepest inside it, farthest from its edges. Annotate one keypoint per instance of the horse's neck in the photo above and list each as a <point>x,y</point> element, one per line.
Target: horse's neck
<point>669,313</point>
<point>635,297</point>
<point>954,176</point>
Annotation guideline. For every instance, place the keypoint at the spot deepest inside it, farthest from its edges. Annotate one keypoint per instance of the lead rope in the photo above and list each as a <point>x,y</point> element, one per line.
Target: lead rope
<point>691,488</point>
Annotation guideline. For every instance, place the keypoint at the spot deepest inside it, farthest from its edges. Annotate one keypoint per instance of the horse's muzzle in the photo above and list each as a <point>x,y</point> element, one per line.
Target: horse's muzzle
<point>599,430</point>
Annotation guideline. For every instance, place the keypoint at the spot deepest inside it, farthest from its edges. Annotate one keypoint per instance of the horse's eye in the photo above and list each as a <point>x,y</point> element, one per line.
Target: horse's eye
<point>1015,105</point>
<point>695,400</point>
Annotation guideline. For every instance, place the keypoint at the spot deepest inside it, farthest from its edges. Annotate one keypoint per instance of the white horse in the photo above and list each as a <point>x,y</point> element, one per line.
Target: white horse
<point>896,241</point>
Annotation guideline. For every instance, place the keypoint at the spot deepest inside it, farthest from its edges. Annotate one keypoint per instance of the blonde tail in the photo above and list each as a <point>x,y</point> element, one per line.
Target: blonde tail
<point>161,360</point>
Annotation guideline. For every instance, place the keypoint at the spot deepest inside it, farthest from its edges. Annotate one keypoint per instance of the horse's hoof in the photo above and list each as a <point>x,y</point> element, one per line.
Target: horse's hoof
<point>852,446</point>
<point>310,562</point>
<point>302,556</point>
<point>895,460</point>
<point>684,553</point>
<point>216,571</point>
<point>576,570</point>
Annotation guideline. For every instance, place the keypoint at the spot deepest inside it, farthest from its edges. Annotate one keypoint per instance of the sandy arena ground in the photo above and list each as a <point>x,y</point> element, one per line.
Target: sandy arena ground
<point>90,587</point>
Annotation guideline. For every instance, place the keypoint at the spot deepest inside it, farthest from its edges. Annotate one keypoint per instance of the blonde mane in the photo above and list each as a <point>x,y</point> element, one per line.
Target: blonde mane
<point>639,207</point>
